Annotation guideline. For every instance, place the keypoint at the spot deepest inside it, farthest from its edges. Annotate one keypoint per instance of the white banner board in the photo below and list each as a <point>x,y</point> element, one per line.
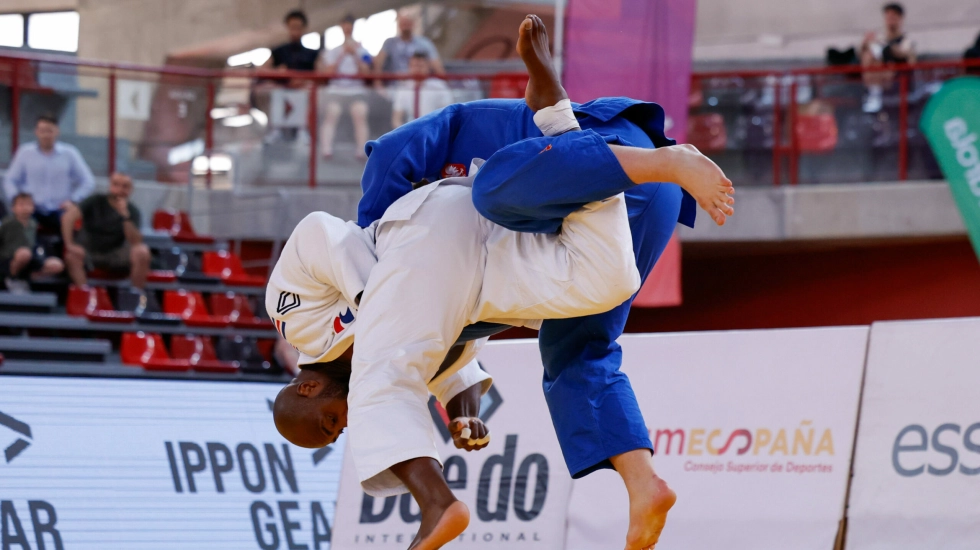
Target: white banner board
<point>516,489</point>
<point>288,108</point>
<point>917,465</point>
<point>753,430</point>
<point>150,464</point>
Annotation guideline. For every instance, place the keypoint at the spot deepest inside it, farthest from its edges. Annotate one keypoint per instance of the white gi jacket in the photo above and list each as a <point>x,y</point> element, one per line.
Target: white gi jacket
<point>312,297</point>
<point>442,266</point>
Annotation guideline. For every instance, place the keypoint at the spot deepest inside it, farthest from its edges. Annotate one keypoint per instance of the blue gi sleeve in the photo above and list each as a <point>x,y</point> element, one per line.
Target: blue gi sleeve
<point>402,157</point>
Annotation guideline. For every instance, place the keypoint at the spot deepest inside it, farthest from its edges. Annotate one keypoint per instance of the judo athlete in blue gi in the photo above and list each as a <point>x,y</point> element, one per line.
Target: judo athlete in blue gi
<point>593,407</point>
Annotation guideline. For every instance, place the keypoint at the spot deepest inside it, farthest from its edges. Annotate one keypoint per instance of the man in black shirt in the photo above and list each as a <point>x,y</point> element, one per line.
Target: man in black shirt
<point>110,238</point>
<point>293,55</point>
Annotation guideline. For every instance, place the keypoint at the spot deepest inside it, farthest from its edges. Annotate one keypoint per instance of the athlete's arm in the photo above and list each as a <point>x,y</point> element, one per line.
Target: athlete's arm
<point>402,157</point>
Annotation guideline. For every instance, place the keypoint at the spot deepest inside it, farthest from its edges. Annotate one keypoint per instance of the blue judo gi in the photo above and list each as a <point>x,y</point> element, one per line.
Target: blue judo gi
<point>530,183</point>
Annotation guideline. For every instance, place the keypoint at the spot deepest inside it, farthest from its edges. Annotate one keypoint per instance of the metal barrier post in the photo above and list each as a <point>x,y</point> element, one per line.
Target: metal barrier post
<point>418,101</point>
<point>15,110</point>
<point>794,139</point>
<point>903,126</point>
<point>777,133</point>
<point>112,123</point>
<point>209,131</point>
<point>311,122</point>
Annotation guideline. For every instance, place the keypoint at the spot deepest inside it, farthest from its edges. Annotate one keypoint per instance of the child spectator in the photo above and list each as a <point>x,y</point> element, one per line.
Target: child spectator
<point>19,258</point>
<point>110,238</point>
<point>433,93</point>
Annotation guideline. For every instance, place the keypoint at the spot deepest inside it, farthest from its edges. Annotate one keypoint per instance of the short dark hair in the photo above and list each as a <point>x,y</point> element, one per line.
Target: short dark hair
<point>21,196</point>
<point>349,18</point>
<point>337,373</point>
<point>895,7</point>
<point>420,54</point>
<point>296,14</point>
<point>46,117</point>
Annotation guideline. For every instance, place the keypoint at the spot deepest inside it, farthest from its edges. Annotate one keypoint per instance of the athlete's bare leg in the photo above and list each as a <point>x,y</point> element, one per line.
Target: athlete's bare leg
<point>443,517</point>
<point>650,498</point>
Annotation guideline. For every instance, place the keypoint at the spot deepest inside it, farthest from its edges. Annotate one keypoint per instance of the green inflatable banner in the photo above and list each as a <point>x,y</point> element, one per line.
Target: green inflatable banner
<point>951,123</point>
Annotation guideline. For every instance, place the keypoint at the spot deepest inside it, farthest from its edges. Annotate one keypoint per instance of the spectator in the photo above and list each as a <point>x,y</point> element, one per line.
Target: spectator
<point>348,59</point>
<point>18,252</point>
<point>398,50</point>
<point>51,172</point>
<point>293,55</point>
<point>974,51</point>
<point>110,237</point>
<point>888,48</point>
<point>434,93</point>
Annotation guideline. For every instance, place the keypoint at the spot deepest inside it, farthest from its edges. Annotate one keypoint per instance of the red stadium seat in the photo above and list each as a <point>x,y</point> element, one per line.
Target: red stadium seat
<point>190,306</point>
<point>94,303</point>
<point>178,225</point>
<point>228,267</point>
<point>148,351</point>
<point>236,309</point>
<point>161,276</point>
<point>199,352</point>
<point>816,133</point>
<point>707,132</point>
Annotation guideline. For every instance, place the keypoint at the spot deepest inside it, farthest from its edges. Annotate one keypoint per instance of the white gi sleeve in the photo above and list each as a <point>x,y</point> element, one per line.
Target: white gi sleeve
<point>448,387</point>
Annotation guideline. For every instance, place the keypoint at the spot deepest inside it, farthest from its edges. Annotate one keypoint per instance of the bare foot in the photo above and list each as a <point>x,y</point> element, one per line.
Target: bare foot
<point>543,87</point>
<point>437,530</point>
<point>704,180</point>
<point>648,513</point>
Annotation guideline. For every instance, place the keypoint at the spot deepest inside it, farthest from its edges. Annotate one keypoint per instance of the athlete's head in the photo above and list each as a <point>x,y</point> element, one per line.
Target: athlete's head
<point>311,411</point>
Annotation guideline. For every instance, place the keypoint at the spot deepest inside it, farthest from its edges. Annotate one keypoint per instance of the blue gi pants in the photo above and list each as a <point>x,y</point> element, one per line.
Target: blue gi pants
<point>531,186</point>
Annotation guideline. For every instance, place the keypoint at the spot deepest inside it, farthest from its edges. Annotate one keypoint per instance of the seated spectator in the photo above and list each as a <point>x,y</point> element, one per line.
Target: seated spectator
<point>290,56</point>
<point>397,51</point>
<point>110,237</point>
<point>53,173</point>
<point>888,48</point>
<point>433,93</point>
<point>348,59</point>
<point>973,53</point>
<point>19,257</point>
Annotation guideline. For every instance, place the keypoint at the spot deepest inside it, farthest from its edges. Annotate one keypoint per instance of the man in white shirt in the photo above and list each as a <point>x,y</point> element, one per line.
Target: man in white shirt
<point>348,59</point>
<point>420,96</point>
<point>52,172</point>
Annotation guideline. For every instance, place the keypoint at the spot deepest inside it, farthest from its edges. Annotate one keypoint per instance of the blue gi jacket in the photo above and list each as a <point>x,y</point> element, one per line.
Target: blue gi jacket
<point>443,143</point>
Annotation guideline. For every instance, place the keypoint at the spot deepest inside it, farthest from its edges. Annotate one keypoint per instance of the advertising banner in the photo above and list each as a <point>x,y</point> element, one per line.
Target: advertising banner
<point>951,122</point>
<point>516,489</point>
<point>917,464</point>
<point>106,464</point>
<point>753,430</point>
<point>288,108</point>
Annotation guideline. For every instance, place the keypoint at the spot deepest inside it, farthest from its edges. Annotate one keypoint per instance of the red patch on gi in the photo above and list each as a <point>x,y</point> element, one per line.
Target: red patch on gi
<point>342,321</point>
<point>454,171</point>
<point>548,148</point>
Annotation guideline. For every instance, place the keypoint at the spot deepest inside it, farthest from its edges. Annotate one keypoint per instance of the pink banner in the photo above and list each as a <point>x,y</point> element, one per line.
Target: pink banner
<point>640,49</point>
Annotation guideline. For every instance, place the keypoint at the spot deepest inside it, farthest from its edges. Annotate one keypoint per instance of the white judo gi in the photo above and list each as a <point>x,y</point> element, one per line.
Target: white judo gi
<point>442,266</point>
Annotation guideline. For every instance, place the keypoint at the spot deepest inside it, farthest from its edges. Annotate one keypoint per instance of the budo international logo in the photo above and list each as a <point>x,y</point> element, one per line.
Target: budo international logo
<point>20,443</point>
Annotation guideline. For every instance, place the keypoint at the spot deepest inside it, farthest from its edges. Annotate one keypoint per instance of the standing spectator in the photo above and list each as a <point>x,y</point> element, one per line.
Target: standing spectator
<point>50,171</point>
<point>398,50</point>
<point>348,59</point>
<point>881,49</point>
<point>434,93</point>
<point>18,253</point>
<point>110,238</point>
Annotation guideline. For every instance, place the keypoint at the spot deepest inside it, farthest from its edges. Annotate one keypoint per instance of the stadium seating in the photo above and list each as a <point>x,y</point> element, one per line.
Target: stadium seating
<point>178,225</point>
<point>816,133</point>
<point>236,309</point>
<point>94,303</point>
<point>148,351</point>
<point>190,306</point>
<point>145,307</point>
<point>707,132</point>
<point>246,352</point>
<point>199,352</point>
<point>227,266</point>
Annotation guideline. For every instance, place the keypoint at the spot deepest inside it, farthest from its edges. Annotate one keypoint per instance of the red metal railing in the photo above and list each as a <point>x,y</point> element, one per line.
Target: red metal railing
<point>787,151</point>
